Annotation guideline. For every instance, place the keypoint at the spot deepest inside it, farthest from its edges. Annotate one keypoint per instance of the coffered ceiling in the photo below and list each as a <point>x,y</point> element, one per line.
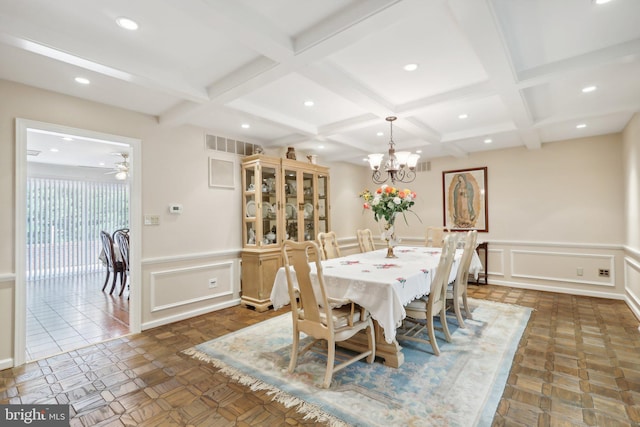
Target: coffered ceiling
<point>515,68</point>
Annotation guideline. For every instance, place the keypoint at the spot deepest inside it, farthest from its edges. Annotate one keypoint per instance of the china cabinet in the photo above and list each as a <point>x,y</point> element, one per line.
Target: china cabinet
<point>283,199</point>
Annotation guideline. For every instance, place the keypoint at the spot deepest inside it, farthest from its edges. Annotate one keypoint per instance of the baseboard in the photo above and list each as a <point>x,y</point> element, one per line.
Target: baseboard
<point>189,314</point>
<point>570,291</point>
<point>6,364</point>
<point>633,301</point>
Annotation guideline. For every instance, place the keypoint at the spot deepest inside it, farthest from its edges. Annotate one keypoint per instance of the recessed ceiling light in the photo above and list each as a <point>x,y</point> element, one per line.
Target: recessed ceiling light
<point>309,103</point>
<point>66,138</point>
<point>418,151</point>
<point>488,141</point>
<point>127,24</point>
<point>581,126</point>
<point>463,116</point>
<point>588,89</point>
<point>410,67</point>
<point>53,150</point>
<point>82,80</point>
<point>101,163</point>
<point>245,126</point>
<point>601,1</point>
<point>321,146</point>
<point>380,133</point>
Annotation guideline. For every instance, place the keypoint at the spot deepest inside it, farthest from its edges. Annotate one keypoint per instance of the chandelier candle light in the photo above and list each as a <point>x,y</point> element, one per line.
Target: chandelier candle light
<point>386,202</point>
<point>400,166</point>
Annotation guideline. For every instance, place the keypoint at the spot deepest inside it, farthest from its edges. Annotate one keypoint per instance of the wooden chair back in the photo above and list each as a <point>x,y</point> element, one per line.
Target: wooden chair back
<point>435,236</point>
<point>365,240</point>
<point>329,245</point>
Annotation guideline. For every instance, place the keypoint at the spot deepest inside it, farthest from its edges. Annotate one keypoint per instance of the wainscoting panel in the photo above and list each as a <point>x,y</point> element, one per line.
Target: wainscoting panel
<point>495,259</point>
<point>632,281</point>
<point>182,286</point>
<point>565,267</point>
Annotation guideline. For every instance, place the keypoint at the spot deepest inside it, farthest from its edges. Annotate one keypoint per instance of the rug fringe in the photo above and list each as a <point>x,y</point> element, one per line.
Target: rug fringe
<point>311,412</point>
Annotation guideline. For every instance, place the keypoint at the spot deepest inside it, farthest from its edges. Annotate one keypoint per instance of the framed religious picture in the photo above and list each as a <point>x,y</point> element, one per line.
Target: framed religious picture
<point>464,196</point>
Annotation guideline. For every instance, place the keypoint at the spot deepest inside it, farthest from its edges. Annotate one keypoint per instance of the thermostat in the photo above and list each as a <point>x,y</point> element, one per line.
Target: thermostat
<point>176,209</point>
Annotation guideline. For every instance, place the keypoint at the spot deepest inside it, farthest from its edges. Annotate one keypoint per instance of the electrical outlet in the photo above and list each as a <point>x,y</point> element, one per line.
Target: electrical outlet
<point>213,283</point>
<point>580,272</point>
<point>603,272</point>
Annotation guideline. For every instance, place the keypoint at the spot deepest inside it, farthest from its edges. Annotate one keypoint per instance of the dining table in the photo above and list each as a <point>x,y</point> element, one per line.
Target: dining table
<point>381,285</point>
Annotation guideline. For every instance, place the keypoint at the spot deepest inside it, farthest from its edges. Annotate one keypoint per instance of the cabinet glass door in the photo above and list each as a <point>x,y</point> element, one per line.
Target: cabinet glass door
<point>290,199</point>
<point>323,214</point>
<point>308,209</point>
<point>250,206</point>
<point>268,213</point>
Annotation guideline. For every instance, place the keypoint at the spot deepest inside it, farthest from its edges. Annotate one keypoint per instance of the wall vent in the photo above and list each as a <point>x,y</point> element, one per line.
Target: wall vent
<point>423,167</point>
<point>228,145</point>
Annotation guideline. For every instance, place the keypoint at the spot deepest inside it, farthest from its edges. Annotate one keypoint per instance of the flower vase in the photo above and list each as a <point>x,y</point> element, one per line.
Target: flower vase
<point>390,237</point>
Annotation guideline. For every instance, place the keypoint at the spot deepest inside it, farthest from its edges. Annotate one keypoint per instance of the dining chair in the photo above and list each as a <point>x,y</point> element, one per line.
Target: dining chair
<point>365,240</point>
<point>435,236</point>
<point>113,265</point>
<point>458,289</point>
<point>121,238</point>
<point>318,315</point>
<point>421,312</point>
<point>329,245</point>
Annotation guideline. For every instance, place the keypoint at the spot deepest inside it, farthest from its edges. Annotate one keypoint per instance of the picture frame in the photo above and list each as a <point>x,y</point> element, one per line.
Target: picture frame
<point>464,199</point>
<point>222,173</point>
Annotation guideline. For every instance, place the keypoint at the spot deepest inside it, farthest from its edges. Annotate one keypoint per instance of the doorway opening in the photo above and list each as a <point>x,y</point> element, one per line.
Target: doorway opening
<point>71,185</point>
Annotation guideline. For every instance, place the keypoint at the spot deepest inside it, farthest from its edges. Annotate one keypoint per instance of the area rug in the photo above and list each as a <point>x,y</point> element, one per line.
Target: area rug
<point>461,387</point>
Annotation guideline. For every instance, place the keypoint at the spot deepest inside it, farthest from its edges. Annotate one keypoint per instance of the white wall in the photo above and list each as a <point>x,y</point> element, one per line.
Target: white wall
<point>631,156</point>
<point>564,201</point>
<point>552,211</point>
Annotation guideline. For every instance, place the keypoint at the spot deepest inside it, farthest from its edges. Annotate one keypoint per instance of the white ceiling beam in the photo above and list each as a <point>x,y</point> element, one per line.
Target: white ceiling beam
<point>418,129</point>
<point>454,150</point>
<point>243,25</point>
<point>312,46</point>
<point>350,124</point>
<point>154,80</point>
<point>464,94</point>
<point>581,117</point>
<point>477,21</point>
<point>479,132</point>
<point>275,117</point>
<point>621,53</point>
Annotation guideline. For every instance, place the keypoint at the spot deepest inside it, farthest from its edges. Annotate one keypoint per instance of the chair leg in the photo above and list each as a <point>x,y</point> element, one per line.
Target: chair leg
<point>106,281</point>
<point>294,350</point>
<point>331,357</point>
<point>456,309</point>
<point>123,281</point>
<point>445,326</point>
<point>432,336</point>
<point>467,312</point>
<point>113,284</point>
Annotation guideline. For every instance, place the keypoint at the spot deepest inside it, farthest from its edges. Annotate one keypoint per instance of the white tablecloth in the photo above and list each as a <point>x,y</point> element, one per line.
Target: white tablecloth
<point>381,285</point>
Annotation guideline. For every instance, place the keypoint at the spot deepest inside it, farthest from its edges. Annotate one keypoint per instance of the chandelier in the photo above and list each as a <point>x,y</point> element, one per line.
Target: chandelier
<point>400,166</point>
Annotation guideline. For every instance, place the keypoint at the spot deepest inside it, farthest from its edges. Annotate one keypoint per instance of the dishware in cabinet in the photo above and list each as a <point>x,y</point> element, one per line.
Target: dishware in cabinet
<point>283,199</point>
<point>260,180</point>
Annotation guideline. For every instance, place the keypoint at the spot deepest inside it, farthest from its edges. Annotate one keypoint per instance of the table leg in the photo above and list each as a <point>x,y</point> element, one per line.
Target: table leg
<point>391,353</point>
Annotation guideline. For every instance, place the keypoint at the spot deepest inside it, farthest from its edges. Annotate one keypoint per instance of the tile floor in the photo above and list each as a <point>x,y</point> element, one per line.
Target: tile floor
<point>67,313</point>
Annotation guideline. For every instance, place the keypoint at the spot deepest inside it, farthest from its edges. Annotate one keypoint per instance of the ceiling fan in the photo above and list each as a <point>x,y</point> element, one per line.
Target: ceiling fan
<point>121,169</point>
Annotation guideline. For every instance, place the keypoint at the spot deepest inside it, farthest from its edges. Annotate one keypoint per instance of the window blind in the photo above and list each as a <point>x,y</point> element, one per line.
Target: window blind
<point>64,220</point>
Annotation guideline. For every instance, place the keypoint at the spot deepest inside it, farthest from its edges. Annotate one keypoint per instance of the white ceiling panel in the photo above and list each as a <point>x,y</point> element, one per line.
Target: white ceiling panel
<point>515,67</point>
<point>598,125</point>
<point>544,31</point>
<point>284,99</point>
<point>617,88</point>
<point>430,38</point>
